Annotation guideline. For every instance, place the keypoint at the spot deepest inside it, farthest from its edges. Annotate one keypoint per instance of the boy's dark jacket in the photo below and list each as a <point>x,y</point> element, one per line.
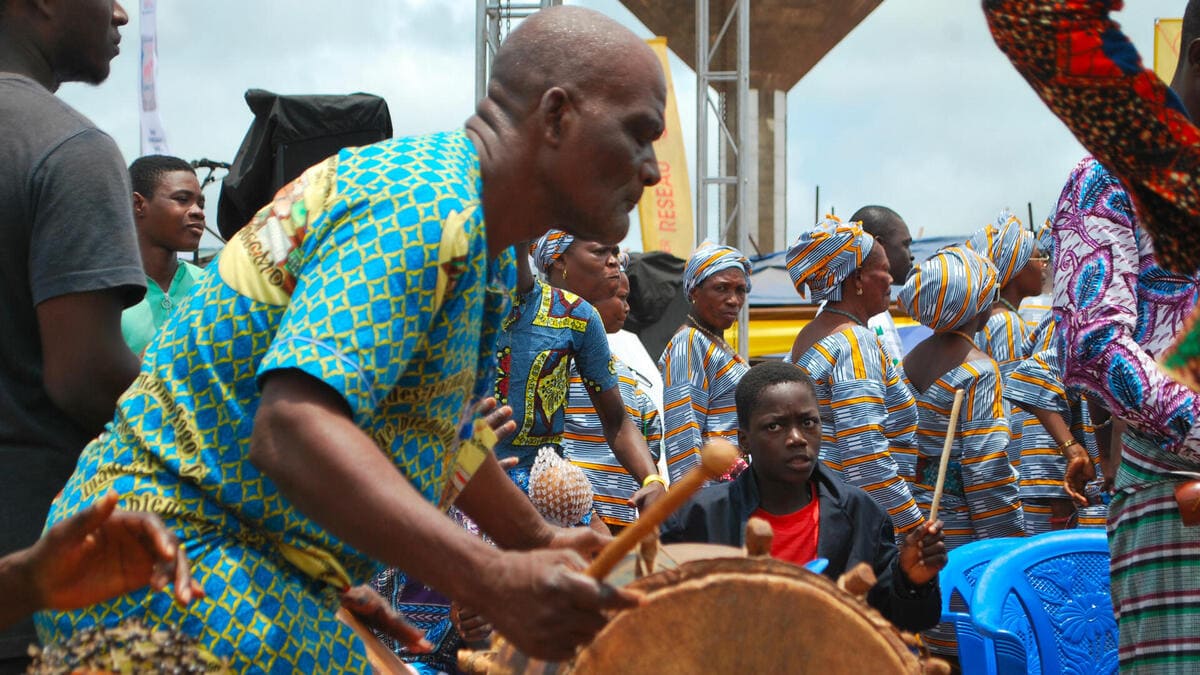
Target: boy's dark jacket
<point>852,529</point>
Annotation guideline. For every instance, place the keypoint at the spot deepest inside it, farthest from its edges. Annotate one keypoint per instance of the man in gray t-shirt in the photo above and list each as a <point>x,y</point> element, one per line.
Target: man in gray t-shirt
<point>68,264</point>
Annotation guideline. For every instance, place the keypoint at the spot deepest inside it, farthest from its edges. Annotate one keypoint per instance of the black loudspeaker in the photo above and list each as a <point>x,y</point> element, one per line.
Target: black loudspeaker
<point>288,135</point>
<point>657,304</point>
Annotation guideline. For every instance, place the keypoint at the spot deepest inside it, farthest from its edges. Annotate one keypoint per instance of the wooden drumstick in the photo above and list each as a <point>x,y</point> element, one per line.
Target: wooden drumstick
<point>716,459</point>
<point>945,463</point>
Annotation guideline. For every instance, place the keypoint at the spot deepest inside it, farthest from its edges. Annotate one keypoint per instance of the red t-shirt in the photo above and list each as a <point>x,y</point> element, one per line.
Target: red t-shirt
<point>795,533</point>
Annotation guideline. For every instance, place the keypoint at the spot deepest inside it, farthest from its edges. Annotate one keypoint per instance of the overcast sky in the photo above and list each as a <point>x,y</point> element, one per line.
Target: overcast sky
<point>916,109</point>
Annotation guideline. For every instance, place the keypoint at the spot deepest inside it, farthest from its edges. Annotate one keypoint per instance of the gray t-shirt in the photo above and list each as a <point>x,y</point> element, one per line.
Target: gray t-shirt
<point>66,226</point>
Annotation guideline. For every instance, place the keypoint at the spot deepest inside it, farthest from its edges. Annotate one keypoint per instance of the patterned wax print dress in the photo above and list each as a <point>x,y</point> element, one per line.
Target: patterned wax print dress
<point>981,496</point>
<point>547,330</point>
<point>585,445</point>
<point>699,380</point>
<point>1117,310</point>
<point>868,420</point>
<point>369,273</point>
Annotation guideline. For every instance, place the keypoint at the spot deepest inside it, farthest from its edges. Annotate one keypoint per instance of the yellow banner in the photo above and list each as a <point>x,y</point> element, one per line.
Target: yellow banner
<point>665,210</point>
<point>1167,34</point>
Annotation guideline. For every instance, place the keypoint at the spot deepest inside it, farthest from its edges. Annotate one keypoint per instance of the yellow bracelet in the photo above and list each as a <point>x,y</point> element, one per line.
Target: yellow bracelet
<point>1066,444</point>
<point>654,478</point>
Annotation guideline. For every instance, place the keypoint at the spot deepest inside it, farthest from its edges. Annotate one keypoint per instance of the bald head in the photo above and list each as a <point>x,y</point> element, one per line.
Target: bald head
<point>574,48</point>
<point>572,111</point>
<point>890,230</point>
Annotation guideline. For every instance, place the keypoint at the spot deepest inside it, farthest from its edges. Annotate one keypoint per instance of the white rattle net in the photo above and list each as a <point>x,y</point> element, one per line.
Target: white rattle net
<point>558,489</point>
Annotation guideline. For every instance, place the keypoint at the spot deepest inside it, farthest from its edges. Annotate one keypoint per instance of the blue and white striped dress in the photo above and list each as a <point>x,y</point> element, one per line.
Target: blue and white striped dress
<point>868,419</point>
<point>585,446</point>
<point>1005,338</point>
<point>981,494</point>
<point>1037,383</point>
<point>699,380</point>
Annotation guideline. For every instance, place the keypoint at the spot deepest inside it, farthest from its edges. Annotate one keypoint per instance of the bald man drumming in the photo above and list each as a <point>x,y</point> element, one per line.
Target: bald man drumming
<point>307,416</point>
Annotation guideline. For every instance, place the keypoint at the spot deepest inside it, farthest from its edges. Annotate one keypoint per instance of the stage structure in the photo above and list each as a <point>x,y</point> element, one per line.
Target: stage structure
<point>723,64</point>
<point>785,39</point>
<point>747,54</point>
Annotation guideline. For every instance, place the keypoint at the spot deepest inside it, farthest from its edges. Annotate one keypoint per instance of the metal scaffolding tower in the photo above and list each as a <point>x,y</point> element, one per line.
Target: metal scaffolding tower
<point>493,21</point>
<point>726,69</point>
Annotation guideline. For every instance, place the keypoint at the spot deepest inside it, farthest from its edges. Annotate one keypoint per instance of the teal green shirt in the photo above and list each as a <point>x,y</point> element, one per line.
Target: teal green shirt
<point>140,322</point>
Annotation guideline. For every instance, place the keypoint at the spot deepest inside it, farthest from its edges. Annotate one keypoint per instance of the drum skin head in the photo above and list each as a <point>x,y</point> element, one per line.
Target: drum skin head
<point>746,615</point>
<point>733,615</point>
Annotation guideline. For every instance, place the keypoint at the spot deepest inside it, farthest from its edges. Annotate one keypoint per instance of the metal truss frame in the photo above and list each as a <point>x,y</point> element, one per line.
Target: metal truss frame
<point>733,188</point>
<point>493,21</point>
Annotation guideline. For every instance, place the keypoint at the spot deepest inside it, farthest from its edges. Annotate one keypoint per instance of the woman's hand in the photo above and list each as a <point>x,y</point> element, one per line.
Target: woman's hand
<point>923,553</point>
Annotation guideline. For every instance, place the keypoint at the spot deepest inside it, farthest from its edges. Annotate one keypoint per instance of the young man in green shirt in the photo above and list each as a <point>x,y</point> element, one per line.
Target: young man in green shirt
<point>168,209</point>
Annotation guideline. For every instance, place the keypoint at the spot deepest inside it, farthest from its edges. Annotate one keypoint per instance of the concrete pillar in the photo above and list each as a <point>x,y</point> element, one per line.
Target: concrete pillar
<point>779,130</point>
<point>770,204</point>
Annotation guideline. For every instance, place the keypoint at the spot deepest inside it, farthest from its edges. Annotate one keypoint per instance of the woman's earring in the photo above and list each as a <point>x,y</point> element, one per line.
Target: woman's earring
<point>859,291</point>
<point>564,272</point>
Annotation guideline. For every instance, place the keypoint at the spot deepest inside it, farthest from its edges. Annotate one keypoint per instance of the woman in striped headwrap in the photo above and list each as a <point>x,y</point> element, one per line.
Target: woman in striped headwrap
<point>1020,269</point>
<point>868,416</point>
<point>700,370</point>
<point>950,293</point>
<point>1036,308</point>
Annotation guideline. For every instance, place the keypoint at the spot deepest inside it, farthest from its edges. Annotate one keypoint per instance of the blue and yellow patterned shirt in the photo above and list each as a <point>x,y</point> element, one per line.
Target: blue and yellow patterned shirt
<point>370,273</point>
<point>547,329</point>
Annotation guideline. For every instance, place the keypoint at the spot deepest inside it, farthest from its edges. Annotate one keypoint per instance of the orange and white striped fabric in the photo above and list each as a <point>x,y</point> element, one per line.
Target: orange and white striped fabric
<point>699,380</point>
<point>868,419</point>
<point>981,497</point>
<point>1006,243</point>
<point>585,446</point>
<point>825,256</point>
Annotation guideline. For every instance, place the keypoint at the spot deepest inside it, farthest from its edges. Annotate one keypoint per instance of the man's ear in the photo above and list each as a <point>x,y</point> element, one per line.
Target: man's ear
<point>742,441</point>
<point>556,111</point>
<point>139,205</point>
<point>1193,54</point>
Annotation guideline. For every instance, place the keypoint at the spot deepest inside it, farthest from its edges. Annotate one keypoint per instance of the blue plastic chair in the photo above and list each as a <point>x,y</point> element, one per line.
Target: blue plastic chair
<point>958,579</point>
<point>1049,600</point>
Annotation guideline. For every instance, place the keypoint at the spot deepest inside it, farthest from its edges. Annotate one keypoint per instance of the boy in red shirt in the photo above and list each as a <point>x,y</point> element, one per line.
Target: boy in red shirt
<point>814,513</point>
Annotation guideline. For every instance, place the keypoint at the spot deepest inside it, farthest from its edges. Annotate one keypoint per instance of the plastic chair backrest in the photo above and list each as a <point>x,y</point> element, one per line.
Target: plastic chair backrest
<point>958,580</point>
<point>1049,598</point>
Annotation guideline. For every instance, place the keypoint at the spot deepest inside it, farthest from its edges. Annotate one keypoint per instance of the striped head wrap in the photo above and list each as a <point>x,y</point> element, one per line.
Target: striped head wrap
<point>709,259</point>
<point>549,248</point>
<point>1045,239</point>
<point>623,260</point>
<point>949,288</point>
<point>827,255</point>
<point>1006,243</point>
